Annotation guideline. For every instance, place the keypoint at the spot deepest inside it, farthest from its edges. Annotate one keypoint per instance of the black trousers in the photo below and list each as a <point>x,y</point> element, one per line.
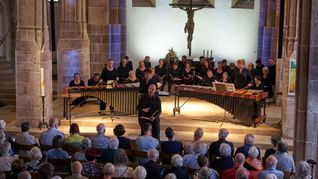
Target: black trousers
<point>155,127</point>
<point>102,106</point>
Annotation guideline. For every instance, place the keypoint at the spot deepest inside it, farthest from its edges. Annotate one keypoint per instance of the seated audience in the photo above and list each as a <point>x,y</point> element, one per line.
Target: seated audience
<point>208,79</point>
<point>242,173</point>
<point>188,148</point>
<point>140,172</point>
<point>161,71</point>
<point>76,171</point>
<point>100,141</point>
<point>239,161</point>
<point>86,144</point>
<point>170,176</point>
<point>285,163</point>
<point>248,143</point>
<point>24,138</point>
<point>146,141</point>
<point>302,171</point>
<point>91,168</point>
<point>140,71</point>
<point>75,138</point>
<point>124,142</point>
<point>131,78</point>
<point>24,175</point>
<point>176,167</point>
<point>190,160</point>
<point>47,136</point>
<point>225,161</point>
<point>94,81</point>
<point>274,140</point>
<point>172,145</point>
<point>121,165</point>
<point>271,163</point>
<point>109,153</point>
<point>108,170</point>
<point>153,169</point>
<point>35,155</point>
<point>57,152</point>
<point>16,168</point>
<point>197,137</point>
<point>252,163</point>
<point>206,173</point>
<point>6,159</point>
<point>46,171</point>
<point>215,146</point>
<point>203,161</point>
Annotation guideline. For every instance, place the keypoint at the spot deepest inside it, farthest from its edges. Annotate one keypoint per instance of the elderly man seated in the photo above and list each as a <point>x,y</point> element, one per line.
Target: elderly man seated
<point>177,163</point>
<point>140,172</point>
<point>215,146</point>
<point>109,154</point>
<point>100,141</point>
<point>57,152</point>
<point>252,163</point>
<point>190,160</point>
<point>6,159</point>
<point>248,143</point>
<point>206,172</point>
<point>271,163</point>
<point>302,170</point>
<point>76,171</point>
<point>239,161</point>
<point>47,136</point>
<point>153,169</point>
<point>285,163</point>
<point>24,138</point>
<point>225,161</point>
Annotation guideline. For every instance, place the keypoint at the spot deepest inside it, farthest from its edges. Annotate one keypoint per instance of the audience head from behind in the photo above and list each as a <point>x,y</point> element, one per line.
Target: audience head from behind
<point>101,129</point>
<point>239,160</point>
<point>74,129</point>
<point>140,172</point>
<point>17,166</point>
<point>282,147</point>
<point>253,152</point>
<point>58,142</point>
<point>153,155</point>
<point>188,148</point>
<point>203,160</point>
<point>5,148</point>
<point>176,160</point>
<point>54,122</point>
<point>25,175</point>
<point>302,170</point>
<point>121,158</point>
<point>76,168</point>
<point>46,170</point>
<point>270,176</point>
<point>2,124</point>
<point>35,154</point>
<point>25,127</point>
<point>113,143</point>
<point>147,128</point>
<point>275,139</point>
<point>86,144</point>
<point>108,170</point>
<point>170,134</point>
<point>271,162</point>
<point>223,133</point>
<point>241,173</point>
<point>119,130</point>
<point>199,148</point>
<point>225,150</point>
<point>249,139</point>
<point>205,173</point>
<point>170,176</point>
<point>198,134</point>
<point>91,154</point>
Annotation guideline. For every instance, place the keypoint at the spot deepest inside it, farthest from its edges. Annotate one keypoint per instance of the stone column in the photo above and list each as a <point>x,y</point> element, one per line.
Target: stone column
<point>73,43</point>
<point>32,54</point>
<point>306,130</point>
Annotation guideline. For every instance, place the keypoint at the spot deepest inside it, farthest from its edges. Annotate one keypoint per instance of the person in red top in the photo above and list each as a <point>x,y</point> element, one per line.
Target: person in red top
<point>239,161</point>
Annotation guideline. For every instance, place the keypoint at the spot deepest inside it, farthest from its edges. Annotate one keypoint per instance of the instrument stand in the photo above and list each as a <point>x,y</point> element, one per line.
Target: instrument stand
<point>43,124</point>
<point>111,115</point>
<point>224,119</point>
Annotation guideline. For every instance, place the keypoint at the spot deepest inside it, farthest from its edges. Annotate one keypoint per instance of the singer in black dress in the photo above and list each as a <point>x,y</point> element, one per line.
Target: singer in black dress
<point>149,110</point>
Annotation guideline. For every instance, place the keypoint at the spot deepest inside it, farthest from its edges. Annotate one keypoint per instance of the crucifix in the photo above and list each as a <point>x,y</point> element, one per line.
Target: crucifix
<point>189,26</point>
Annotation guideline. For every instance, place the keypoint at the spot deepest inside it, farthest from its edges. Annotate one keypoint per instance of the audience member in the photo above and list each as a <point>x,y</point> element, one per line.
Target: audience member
<point>271,163</point>
<point>285,163</point>
<point>153,169</point>
<point>24,138</point>
<point>57,152</point>
<point>109,154</point>
<point>214,150</point>
<point>203,161</point>
<point>176,167</point>
<point>225,161</point>
<point>86,144</point>
<point>16,168</point>
<point>190,160</point>
<point>140,172</point>
<point>171,146</point>
<point>248,143</point>
<point>239,161</point>
<point>146,141</point>
<point>271,176</point>
<point>25,175</point>
<point>124,142</point>
<point>274,140</point>
<point>197,137</point>
<point>252,163</point>
<point>108,170</point>
<point>75,138</point>
<point>242,173</point>
<point>47,136</point>
<point>302,170</point>
<point>91,168</point>
<point>188,148</point>
<point>100,141</point>
<point>171,176</point>
<point>6,159</point>
<point>35,155</point>
<point>46,171</point>
<point>121,165</point>
<point>76,171</point>
<point>206,173</point>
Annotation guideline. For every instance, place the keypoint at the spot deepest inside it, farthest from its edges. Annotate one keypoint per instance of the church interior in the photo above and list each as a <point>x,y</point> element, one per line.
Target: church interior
<point>244,70</point>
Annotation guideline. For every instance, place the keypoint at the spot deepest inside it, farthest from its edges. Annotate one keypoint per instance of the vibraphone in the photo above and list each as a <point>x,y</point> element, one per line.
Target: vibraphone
<point>121,97</point>
<point>244,105</point>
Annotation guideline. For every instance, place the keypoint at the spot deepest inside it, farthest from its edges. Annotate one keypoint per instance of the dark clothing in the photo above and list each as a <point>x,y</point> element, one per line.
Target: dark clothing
<point>122,73</point>
<point>244,150</point>
<point>259,69</point>
<point>268,85</point>
<point>177,73</point>
<point>217,75</point>
<point>72,84</point>
<point>130,65</point>
<point>180,172</point>
<point>153,169</point>
<point>223,163</point>
<point>162,73</point>
<point>241,79</point>
<point>171,147</point>
<point>79,100</point>
<point>140,74</point>
<point>260,87</point>
<point>147,64</point>
<point>107,156</point>
<point>269,152</point>
<point>230,72</point>
<point>207,81</point>
<point>108,75</point>
<point>188,77</point>
<point>143,87</point>
<point>131,81</point>
<point>154,104</point>
<point>124,143</point>
<point>272,73</point>
<point>91,82</point>
<point>215,146</point>
<point>253,73</point>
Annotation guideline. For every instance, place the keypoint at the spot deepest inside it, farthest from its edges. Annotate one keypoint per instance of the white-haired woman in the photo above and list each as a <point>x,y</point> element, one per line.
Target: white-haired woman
<point>252,163</point>
<point>140,172</point>
<point>177,163</point>
<point>225,161</point>
<point>35,155</point>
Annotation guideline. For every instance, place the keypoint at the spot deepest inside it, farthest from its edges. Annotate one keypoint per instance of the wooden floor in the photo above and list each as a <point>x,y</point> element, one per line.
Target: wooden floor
<point>195,113</point>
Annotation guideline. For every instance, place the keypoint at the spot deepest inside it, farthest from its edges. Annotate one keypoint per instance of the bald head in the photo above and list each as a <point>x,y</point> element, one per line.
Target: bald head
<point>25,175</point>
<point>76,167</point>
<point>239,160</point>
<point>54,122</point>
<point>271,162</point>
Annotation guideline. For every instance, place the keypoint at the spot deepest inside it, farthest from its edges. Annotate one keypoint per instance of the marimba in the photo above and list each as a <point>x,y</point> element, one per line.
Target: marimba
<point>123,98</point>
<point>244,105</point>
